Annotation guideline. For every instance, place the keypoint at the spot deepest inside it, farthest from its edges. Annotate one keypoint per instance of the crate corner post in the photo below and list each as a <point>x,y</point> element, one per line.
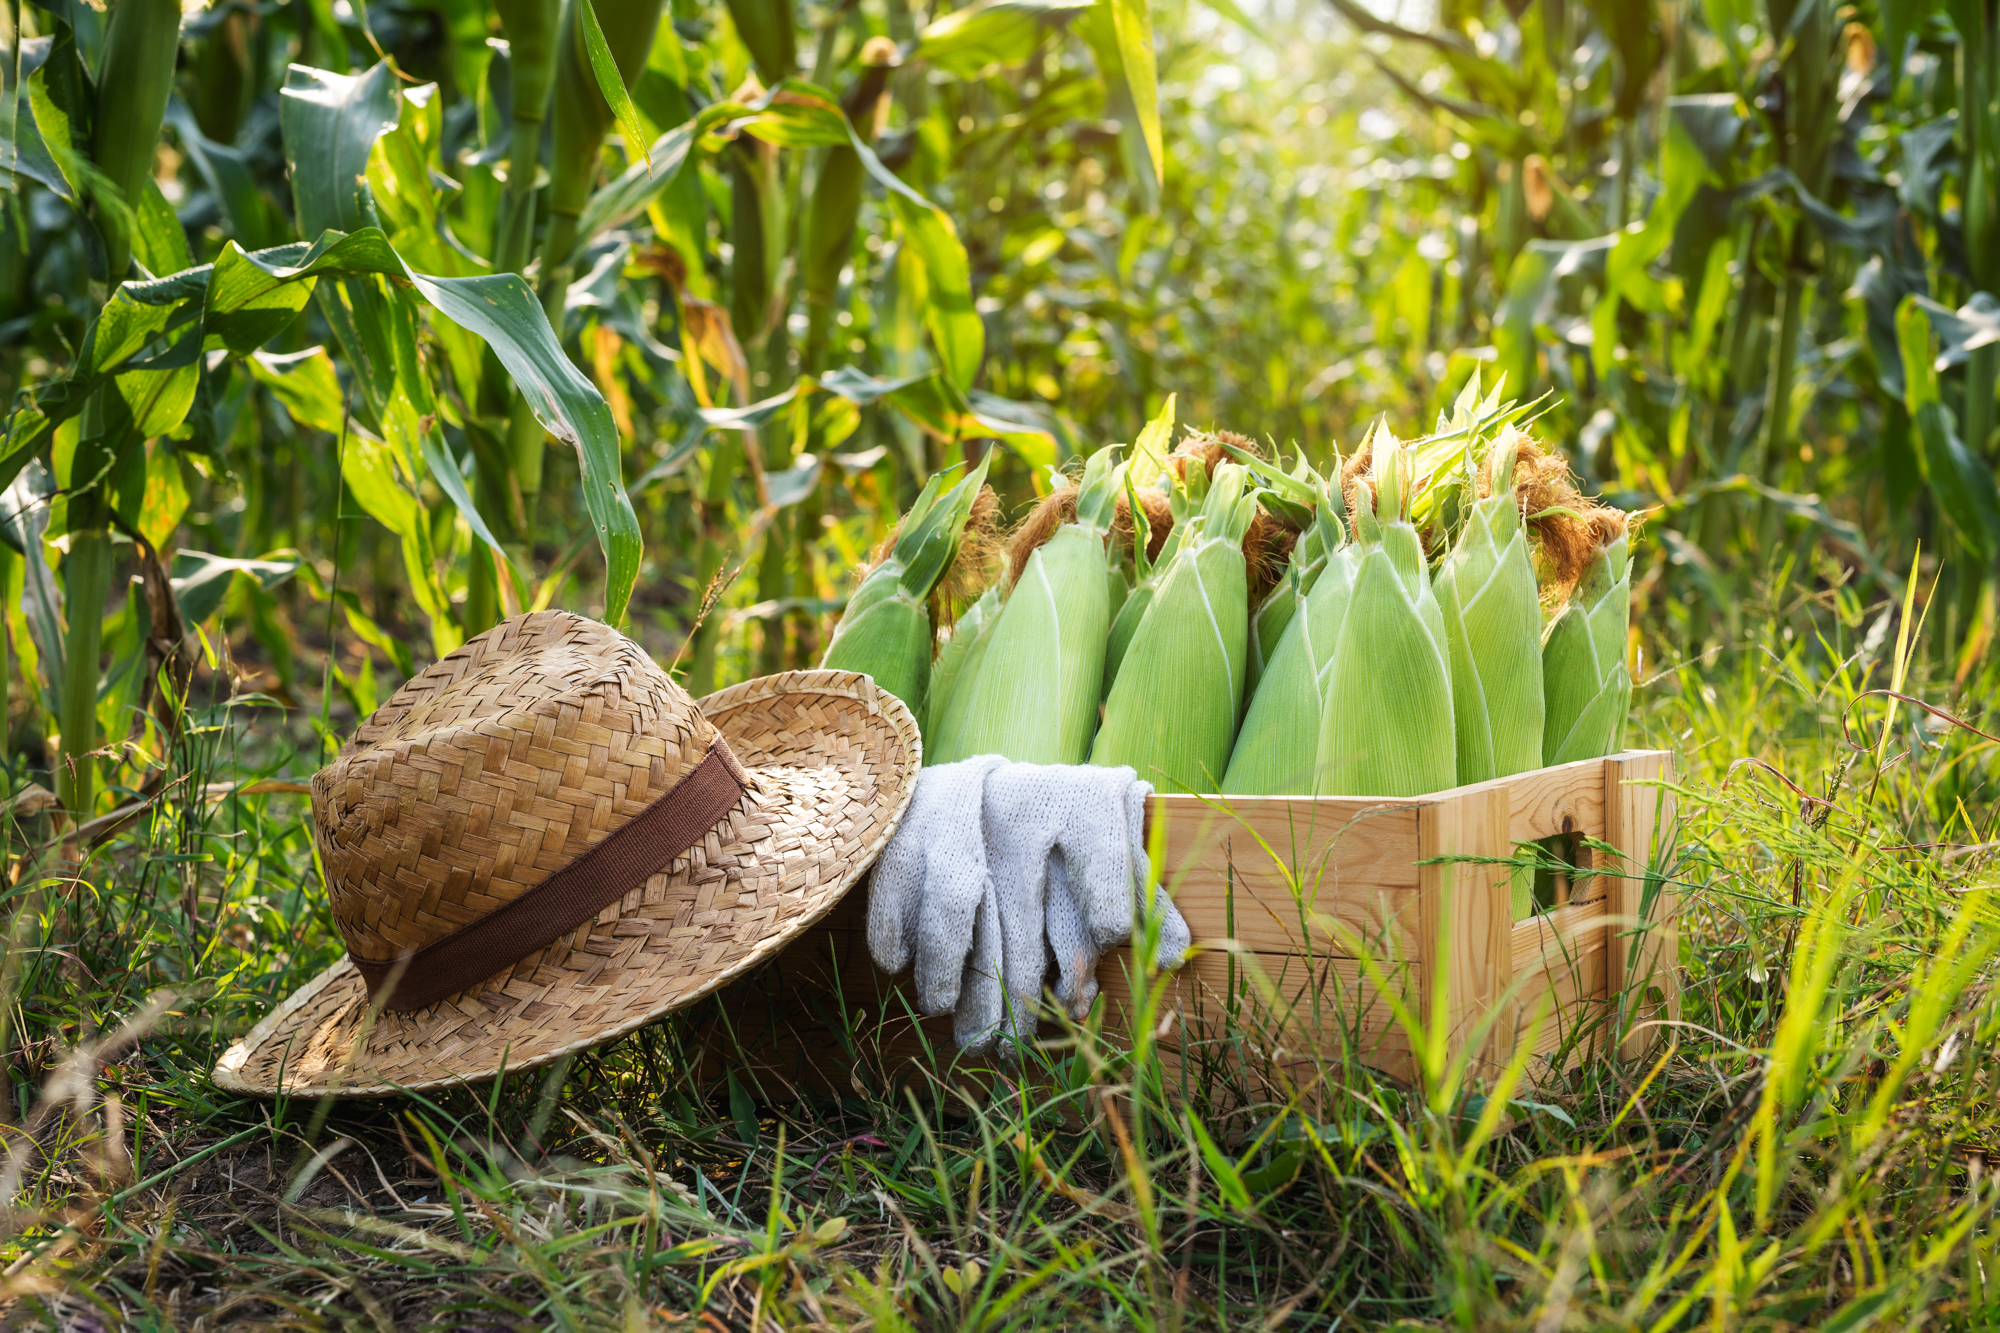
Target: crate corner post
<point>1466,919</point>
<point>1643,907</point>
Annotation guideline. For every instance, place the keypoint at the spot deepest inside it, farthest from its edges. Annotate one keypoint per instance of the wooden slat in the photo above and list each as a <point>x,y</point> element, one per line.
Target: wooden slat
<point>1577,982</point>
<point>1545,940</point>
<point>1645,946</point>
<point>1353,862</point>
<point>1305,1013</point>
<point>1466,907</point>
<point>1568,798</point>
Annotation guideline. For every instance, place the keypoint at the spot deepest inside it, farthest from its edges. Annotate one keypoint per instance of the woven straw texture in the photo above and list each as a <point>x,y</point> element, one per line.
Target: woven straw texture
<point>510,758</point>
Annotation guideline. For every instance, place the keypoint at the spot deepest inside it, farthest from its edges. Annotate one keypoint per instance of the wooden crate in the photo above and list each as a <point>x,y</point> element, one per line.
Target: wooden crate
<point>1286,896</point>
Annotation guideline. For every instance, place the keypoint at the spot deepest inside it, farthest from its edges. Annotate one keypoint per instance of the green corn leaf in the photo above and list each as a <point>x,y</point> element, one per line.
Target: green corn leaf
<point>247,214</point>
<point>243,298</point>
<point>159,242</point>
<point>1961,481</point>
<point>1133,25</point>
<point>627,196</point>
<point>1119,34</point>
<point>445,471</point>
<point>304,383</point>
<point>798,114</point>
<point>57,137</point>
<point>765,26</point>
<point>200,581</point>
<point>159,391</point>
<point>383,483</point>
<point>610,81</point>
<point>974,39</point>
<point>330,123</point>
<point>1149,451</point>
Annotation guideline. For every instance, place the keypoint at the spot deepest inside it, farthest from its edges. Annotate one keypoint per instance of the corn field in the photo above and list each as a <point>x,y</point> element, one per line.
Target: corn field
<point>335,333</point>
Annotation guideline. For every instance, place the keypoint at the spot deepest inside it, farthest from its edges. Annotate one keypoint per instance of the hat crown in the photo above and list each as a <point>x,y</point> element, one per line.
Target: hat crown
<point>492,769</point>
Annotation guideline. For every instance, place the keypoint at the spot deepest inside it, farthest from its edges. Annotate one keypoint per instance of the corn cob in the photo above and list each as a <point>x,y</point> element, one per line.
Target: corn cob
<point>1388,728</point>
<point>1277,748</point>
<point>886,630</point>
<point>1184,495</point>
<point>1588,683</point>
<point>135,74</point>
<point>1171,714</point>
<point>1034,697</point>
<point>1493,625</point>
<point>1296,497</point>
<point>1274,615</point>
<point>1144,464</point>
<point>953,660</point>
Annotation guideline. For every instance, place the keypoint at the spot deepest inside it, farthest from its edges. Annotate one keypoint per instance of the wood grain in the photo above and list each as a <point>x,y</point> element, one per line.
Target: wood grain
<point>1545,940</point>
<point>1264,1025</point>
<point>1280,874</point>
<point>1562,1005</point>
<point>1644,964</point>
<point>1466,906</point>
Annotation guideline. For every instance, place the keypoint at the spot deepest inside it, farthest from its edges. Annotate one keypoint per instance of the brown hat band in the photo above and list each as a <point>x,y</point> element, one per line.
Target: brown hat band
<point>567,899</point>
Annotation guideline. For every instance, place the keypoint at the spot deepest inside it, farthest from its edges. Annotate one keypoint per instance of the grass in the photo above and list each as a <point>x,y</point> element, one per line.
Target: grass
<point>1808,1149</point>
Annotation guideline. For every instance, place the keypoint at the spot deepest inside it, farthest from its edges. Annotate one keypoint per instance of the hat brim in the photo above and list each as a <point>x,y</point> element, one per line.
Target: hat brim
<point>833,761</point>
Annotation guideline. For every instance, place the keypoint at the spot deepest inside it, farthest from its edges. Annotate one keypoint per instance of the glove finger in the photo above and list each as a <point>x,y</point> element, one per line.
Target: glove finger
<point>1175,937</point>
<point>982,990</point>
<point>1075,952</point>
<point>894,891</point>
<point>1097,850</point>
<point>950,858</point>
<point>1021,813</point>
<point>946,933</point>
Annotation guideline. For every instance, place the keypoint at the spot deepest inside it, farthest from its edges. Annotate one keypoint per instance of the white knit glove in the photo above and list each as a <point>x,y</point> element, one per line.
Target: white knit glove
<point>931,892</point>
<point>1082,926</point>
<point>1057,869</point>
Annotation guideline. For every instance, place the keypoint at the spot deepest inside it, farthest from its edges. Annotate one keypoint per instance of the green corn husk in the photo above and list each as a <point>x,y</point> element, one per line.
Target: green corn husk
<point>1172,712</point>
<point>1184,497</point>
<point>1277,749</point>
<point>1388,728</point>
<point>941,743</point>
<point>1145,461</point>
<point>1283,603</point>
<point>886,630</point>
<point>1493,628</point>
<point>953,658</point>
<point>1034,697</point>
<point>1298,497</point>
<point>1584,672</point>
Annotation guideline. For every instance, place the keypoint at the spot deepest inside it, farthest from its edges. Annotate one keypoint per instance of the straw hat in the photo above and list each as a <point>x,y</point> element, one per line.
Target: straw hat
<point>542,843</point>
